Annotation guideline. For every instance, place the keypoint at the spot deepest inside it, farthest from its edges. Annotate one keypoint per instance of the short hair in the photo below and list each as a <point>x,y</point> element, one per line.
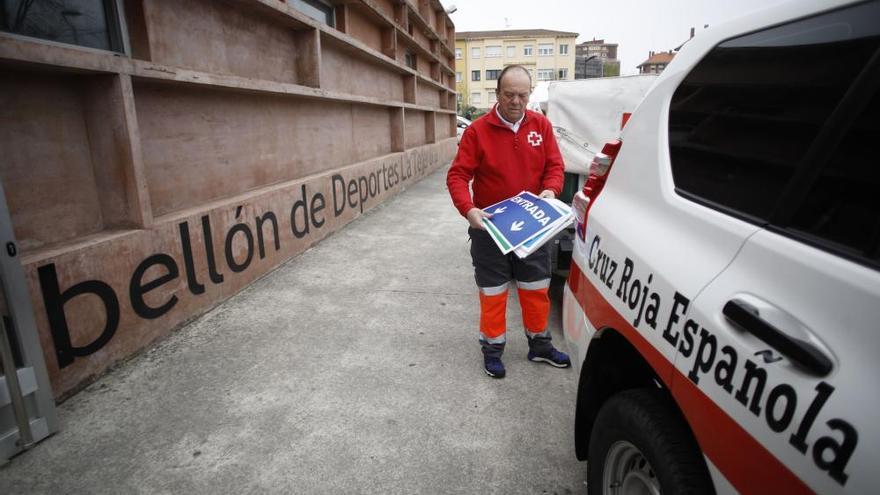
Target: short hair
<point>509,67</point>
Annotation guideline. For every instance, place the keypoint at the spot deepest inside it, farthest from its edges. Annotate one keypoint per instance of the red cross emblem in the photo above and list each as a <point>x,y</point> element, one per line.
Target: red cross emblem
<point>535,139</point>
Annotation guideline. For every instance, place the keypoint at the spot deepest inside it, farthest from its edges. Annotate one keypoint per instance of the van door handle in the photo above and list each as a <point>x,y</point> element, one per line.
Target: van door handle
<point>803,353</point>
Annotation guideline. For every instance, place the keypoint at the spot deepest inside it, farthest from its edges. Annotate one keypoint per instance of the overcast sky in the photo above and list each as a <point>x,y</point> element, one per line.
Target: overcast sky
<point>637,26</point>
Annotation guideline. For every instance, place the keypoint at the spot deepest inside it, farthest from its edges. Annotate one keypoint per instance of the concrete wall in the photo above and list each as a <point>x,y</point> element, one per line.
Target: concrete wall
<point>213,37</point>
<point>42,121</point>
<point>147,187</point>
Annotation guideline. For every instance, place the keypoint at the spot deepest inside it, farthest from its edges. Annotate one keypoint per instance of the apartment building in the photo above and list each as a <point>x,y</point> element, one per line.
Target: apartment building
<point>596,58</point>
<point>599,48</point>
<point>656,62</point>
<point>480,56</point>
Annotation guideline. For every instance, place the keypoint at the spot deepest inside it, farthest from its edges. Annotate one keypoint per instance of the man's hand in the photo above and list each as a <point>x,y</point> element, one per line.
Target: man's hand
<point>547,193</point>
<point>475,217</point>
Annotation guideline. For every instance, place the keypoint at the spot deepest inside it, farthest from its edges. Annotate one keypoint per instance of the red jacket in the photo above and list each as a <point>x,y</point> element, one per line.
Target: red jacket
<point>502,163</point>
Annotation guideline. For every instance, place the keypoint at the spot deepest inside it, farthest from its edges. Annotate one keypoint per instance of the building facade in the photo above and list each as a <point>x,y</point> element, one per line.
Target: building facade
<point>161,155</point>
<point>596,58</point>
<point>480,56</point>
<point>656,62</point>
<point>605,51</point>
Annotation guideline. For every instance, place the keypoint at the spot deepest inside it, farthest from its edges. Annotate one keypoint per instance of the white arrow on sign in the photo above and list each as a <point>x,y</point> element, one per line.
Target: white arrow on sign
<point>517,226</point>
<point>499,210</point>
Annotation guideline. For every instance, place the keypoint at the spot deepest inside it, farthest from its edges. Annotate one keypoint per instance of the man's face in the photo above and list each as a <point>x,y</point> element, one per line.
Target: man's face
<point>514,95</point>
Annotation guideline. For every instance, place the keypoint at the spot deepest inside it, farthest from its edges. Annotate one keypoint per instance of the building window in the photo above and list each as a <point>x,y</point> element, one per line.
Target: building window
<point>563,74</point>
<point>475,52</point>
<point>316,9</point>
<point>91,23</point>
<point>458,77</point>
<point>492,74</point>
<point>475,75</point>
<point>545,49</point>
<point>545,74</point>
<point>527,50</point>
<point>492,98</point>
<point>493,51</point>
<point>476,99</point>
<point>511,51</point>
<point>563,49</point>
<point>458,54</point>
<point>409,58</point>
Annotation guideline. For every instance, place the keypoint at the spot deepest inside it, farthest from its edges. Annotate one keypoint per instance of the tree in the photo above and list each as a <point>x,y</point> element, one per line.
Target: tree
<point>472,113</point>
<point>611,69</point>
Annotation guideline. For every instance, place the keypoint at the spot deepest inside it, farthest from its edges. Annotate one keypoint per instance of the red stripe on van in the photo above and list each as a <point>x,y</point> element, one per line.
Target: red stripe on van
<point>749,466</point>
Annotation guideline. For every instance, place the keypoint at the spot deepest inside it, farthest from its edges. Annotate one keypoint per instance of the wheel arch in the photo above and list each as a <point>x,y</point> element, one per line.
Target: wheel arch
<point>612,364</point>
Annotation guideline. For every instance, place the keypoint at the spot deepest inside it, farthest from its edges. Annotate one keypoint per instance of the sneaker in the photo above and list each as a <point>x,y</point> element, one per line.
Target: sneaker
<point>493,367</point>
<point>553,358</point>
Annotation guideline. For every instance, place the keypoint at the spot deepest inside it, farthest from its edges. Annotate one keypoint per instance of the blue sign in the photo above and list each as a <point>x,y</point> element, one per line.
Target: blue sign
<point>516,220</point>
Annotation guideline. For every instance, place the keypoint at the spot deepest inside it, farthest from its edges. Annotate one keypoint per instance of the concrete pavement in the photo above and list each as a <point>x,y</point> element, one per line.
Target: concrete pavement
<point>353,368</point>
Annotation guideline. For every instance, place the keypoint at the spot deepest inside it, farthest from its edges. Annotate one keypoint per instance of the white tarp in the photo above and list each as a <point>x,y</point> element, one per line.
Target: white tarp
<point>587,113</point>
<point>538,98</point>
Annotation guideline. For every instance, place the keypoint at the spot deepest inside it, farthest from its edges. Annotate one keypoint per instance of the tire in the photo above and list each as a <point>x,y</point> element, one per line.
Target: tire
<point>641,445</point>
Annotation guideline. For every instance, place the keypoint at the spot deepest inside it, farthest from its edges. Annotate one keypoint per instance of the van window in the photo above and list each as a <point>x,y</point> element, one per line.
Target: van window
<point>779,128</point>
<point>743,121</point>
<point>842,207</point>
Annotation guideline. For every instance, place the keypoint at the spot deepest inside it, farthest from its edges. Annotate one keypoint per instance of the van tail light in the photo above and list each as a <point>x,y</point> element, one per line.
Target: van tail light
<point>599,169</point>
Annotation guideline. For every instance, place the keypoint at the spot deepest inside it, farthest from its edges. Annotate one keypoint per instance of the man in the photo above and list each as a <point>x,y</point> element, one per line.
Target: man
<point>508,150</point>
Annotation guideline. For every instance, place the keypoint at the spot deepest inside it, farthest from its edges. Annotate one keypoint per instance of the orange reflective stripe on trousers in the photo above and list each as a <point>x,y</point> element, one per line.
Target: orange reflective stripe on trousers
<point>535,304</point>
<point>493,309</point>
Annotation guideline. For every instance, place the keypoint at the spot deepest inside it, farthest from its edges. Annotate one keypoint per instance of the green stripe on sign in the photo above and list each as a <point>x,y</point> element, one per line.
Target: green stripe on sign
<point>493,231</point>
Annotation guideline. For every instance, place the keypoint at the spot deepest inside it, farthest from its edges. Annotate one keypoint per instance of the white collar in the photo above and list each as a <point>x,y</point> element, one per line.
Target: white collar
<point>514,126</point>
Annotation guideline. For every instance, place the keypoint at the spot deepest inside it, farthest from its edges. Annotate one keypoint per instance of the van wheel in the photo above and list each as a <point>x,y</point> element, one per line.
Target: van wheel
<point>640,445</point>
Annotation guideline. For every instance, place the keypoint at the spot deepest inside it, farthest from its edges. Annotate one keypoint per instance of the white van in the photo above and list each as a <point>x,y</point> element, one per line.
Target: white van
<point>723,301</point>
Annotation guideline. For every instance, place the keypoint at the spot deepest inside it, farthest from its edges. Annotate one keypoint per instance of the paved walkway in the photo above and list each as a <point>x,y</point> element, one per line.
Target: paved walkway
<point>353,368</point>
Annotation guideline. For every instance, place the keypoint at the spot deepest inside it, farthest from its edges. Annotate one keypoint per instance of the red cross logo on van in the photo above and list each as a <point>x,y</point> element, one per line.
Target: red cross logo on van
<point>535,139</point>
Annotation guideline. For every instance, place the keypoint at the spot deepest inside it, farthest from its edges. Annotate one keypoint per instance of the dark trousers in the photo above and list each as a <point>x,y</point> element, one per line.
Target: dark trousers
<point>493,272</point>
